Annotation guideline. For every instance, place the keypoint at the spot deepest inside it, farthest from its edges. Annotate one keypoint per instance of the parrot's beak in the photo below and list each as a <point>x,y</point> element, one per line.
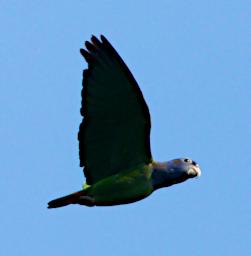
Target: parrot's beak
<point>194,171</point>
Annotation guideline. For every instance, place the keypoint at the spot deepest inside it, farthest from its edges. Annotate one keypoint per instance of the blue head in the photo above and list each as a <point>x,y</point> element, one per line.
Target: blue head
<point>174,171</point>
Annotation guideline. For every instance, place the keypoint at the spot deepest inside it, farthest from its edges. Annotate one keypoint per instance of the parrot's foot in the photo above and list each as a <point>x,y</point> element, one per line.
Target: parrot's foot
<point>86,200</point>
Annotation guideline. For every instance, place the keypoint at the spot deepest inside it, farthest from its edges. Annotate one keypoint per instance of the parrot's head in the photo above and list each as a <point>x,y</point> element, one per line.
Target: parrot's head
<point>184,167</point>
<point>174,171</point>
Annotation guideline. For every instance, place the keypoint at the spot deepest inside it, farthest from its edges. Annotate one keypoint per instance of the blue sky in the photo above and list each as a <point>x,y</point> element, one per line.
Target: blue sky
<point>192,62</point>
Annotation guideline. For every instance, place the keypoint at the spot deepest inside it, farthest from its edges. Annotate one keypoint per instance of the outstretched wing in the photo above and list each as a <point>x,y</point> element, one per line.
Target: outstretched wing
<point>115,132</point>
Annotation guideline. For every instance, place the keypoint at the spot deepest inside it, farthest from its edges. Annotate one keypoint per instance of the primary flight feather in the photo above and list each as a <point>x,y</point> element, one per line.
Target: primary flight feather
<point>114,136</point>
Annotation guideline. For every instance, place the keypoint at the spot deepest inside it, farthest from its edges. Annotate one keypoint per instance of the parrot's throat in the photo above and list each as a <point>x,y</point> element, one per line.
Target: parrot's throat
<point>162,176</point>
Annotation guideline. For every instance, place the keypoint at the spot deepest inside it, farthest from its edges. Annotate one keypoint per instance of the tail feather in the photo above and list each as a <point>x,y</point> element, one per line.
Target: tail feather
<point>66,200</point>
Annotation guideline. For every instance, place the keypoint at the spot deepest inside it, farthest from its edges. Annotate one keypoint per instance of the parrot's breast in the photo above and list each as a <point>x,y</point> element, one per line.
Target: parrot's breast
<point>123,188</point>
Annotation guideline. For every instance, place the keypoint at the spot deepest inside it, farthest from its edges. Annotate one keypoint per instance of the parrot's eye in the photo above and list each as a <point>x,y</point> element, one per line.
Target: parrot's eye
<point>186,160</point>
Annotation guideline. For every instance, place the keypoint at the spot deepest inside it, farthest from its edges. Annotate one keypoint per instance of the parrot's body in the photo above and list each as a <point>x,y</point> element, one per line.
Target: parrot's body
<point>125,187</point>
<point>114,137</point>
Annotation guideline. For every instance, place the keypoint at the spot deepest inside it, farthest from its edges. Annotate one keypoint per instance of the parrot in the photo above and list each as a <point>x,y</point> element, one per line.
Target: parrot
<point>114,136</point>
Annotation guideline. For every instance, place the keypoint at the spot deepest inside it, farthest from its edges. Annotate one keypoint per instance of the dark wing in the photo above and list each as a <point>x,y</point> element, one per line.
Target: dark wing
<point>115,132</point>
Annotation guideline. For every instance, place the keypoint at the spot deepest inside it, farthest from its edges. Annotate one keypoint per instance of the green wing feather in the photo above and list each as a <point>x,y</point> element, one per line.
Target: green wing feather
<point>115,132</point>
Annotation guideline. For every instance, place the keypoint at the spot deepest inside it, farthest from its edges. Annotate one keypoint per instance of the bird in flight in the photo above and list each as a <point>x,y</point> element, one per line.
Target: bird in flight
<point>114,136</point>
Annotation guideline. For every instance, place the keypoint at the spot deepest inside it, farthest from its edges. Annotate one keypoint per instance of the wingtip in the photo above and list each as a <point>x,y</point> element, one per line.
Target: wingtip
<point>96,41</point>
<point>103,38</point>
<point>93,37</point>
<point>90,47</point>
<point>85,54</point>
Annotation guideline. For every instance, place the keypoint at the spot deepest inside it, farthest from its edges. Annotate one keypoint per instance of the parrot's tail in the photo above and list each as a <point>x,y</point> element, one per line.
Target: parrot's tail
<point>74,198</point>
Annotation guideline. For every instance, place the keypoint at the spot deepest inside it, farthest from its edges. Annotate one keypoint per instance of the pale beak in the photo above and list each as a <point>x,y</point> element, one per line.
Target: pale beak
<point>194,171</point>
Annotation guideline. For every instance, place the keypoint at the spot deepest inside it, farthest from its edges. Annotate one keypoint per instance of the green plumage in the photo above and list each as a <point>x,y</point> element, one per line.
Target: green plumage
<point>122,188</point>
<point>125,187</point>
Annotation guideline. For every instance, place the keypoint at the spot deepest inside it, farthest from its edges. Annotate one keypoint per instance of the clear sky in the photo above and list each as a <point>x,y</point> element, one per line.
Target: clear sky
<point>192,62</point>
